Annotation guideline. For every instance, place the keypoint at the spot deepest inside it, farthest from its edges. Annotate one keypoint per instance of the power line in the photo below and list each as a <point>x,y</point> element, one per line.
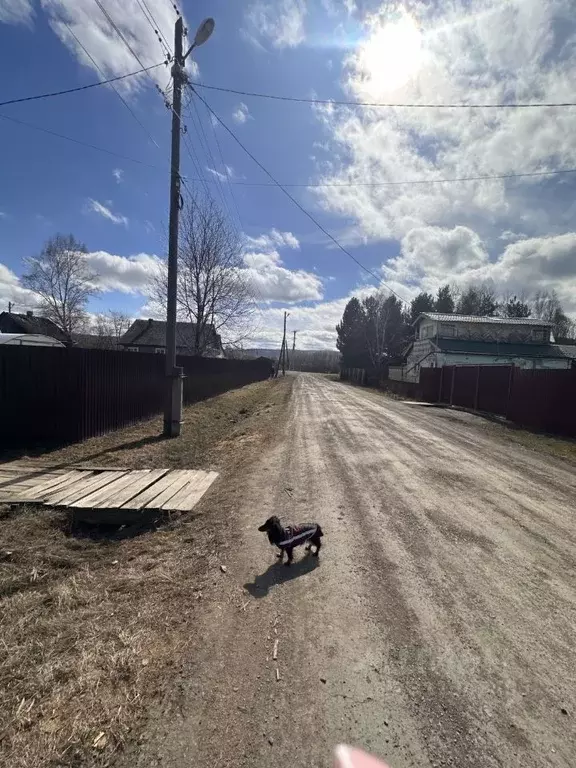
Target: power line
<point>82,143</point>
<point>80,87</point>
<point>274,184</point>
<point>297,204</point>
<point>155,27</point>
<point>342,103</point>
<point>122,99</point>
<point>413,181</point>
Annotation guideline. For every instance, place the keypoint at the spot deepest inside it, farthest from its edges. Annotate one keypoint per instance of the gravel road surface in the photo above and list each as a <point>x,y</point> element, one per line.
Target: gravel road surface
<point>437,628</point>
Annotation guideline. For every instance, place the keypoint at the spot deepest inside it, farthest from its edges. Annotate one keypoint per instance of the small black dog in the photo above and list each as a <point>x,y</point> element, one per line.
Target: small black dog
<point>286,538</point>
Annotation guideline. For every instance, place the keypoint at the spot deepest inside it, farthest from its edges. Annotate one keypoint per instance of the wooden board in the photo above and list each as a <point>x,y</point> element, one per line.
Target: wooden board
<point>140,480</point>
<point>112,495</point>
<point>179,478</point>
<point>84,486</point>
<point>97,497</point>
<point>42,488</point>
<point>193,492</point>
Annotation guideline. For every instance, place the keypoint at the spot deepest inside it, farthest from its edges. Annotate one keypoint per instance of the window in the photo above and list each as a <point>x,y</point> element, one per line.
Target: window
<point>160,350</point>
<point>540,334</point>
<point>447,330</point>
<point>427,331</point>
<point>132,349</point>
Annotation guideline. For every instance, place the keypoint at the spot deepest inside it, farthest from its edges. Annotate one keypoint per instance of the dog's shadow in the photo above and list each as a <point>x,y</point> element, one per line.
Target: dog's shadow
<point>277,573</point>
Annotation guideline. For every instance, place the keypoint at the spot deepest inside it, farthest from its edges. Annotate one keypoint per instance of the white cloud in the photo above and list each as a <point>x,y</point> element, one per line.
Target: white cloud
<point>110,53</point>
<point>241,114</point>
<point>432,256</point>
<point>127,274</point>
<point>16,11</point>
<point>274,282</point>
<point>11,290</point>
<point>214,172</point>
<point>102,210</point>
<point>522,50</point>
<point>274,239</point>
<point>279,21</point>
<point>118,174</point>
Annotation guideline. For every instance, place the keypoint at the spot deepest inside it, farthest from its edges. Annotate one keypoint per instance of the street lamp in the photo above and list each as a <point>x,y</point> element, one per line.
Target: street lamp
<point>202,34</point>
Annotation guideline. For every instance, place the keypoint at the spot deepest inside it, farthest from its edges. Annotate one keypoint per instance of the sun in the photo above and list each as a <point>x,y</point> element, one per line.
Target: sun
<point>391,55</point>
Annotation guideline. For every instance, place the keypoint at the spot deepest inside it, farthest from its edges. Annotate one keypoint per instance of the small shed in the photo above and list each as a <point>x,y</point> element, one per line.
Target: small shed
<point>28,340</point>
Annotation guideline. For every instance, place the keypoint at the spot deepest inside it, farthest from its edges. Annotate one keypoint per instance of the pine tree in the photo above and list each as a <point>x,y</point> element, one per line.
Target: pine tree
<point>444,301</point>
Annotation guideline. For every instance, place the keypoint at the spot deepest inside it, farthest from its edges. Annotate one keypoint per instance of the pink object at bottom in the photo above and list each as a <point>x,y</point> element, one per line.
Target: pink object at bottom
<point>348,757</point>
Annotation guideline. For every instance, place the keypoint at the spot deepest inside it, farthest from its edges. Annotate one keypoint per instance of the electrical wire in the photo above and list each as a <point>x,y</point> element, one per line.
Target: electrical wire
<point>225,167</point>
<point>402,182</point>
<point>297,204</point>
<point>209,156</point>
<point>155,28</point>
<point>82,143</point>
<point>80,87</point>
<point>342,103</point>
<point>274,184</point>
<point>122,99</point>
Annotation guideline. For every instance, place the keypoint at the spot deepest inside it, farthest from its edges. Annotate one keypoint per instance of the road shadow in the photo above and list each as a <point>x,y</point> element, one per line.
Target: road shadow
<point>277,573</point>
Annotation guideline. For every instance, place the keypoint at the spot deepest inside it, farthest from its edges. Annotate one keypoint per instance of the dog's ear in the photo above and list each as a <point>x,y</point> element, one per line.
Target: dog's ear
<point>266,525</point>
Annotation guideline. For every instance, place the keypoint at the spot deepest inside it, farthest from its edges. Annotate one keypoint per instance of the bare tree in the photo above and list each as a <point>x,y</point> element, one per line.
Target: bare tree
<point>60,276</point>
<point>109,327</point>
<point>546,306</point>
<point>213,291</point>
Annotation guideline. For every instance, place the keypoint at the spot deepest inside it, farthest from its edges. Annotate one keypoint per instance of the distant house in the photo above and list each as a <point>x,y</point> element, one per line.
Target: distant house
<point>11,322</point>
<point>150,336</point>
<point>469,340</point>
<point>28,340</point>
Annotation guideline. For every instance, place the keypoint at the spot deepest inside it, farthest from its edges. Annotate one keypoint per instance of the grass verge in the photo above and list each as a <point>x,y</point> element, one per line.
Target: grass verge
<point>91,628</point>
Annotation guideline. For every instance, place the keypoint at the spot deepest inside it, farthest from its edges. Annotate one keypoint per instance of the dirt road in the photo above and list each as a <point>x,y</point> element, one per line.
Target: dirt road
<point>437,627</point>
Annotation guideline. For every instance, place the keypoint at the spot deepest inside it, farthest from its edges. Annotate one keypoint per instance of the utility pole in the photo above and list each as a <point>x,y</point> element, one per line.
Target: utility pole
<point>293,351</point>
<point>284,349</point>
<point>173,403</point>
<point>9,307</point>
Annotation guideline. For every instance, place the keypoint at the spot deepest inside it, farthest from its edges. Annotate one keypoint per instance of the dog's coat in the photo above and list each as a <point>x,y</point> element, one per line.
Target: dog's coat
<point>290,536</point>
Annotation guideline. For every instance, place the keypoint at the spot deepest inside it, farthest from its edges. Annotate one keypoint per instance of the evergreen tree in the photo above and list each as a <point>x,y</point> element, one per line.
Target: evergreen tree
<point>351,341</point>
<point>423,302</point>
<point>444,301</point>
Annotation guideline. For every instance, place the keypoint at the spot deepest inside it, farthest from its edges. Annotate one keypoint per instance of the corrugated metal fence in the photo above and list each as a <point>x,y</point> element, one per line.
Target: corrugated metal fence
<point>544,400</point>
<point>67,395</point>
<point>539,399</point>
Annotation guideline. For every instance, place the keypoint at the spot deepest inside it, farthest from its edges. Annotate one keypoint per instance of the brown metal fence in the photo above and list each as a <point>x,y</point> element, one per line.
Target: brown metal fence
<point>65,395</point>
<point>539,399</point>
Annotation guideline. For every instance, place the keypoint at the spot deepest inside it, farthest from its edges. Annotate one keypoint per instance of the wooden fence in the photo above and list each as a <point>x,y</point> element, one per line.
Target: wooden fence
<point>65,395</point>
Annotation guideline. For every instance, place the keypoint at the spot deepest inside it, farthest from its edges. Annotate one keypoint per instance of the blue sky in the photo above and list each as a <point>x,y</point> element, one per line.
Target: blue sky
<point>518,233</point>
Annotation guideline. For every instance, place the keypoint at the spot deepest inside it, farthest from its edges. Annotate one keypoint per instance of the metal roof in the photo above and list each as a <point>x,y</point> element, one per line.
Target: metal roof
<point>29,340</point>
<point>445,318</point>
<point>503,349</point>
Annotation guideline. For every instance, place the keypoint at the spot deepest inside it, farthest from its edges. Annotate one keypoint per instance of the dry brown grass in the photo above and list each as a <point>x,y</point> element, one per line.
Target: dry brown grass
<point>90,628</point>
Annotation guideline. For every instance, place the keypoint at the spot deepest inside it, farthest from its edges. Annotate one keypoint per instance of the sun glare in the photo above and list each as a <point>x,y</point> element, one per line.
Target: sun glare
<point>391,55</point>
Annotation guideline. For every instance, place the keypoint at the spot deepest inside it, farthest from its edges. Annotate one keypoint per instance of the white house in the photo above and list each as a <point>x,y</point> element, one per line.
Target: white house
<point>469,340</point>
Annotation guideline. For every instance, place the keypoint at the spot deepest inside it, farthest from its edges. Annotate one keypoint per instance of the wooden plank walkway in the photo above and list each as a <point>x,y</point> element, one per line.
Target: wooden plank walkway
<point>121,492</point>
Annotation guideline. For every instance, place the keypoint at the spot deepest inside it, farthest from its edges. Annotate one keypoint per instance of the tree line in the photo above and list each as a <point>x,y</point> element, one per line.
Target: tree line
<point>375,331</point>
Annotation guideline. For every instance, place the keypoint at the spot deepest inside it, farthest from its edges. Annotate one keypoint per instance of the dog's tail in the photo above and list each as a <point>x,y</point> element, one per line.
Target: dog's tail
<point>319,531</point>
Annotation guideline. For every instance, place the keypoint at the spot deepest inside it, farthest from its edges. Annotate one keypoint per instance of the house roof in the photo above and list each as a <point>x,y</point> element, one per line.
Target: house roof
<point>446,318</point>
<point>29,340</point>
<point>34,324</point>
<point>466,347</point>
<point>152,333</point>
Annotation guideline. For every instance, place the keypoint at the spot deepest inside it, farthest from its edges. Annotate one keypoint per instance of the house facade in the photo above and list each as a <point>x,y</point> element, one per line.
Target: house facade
<point>468,340</point>
<point>149,336</point>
